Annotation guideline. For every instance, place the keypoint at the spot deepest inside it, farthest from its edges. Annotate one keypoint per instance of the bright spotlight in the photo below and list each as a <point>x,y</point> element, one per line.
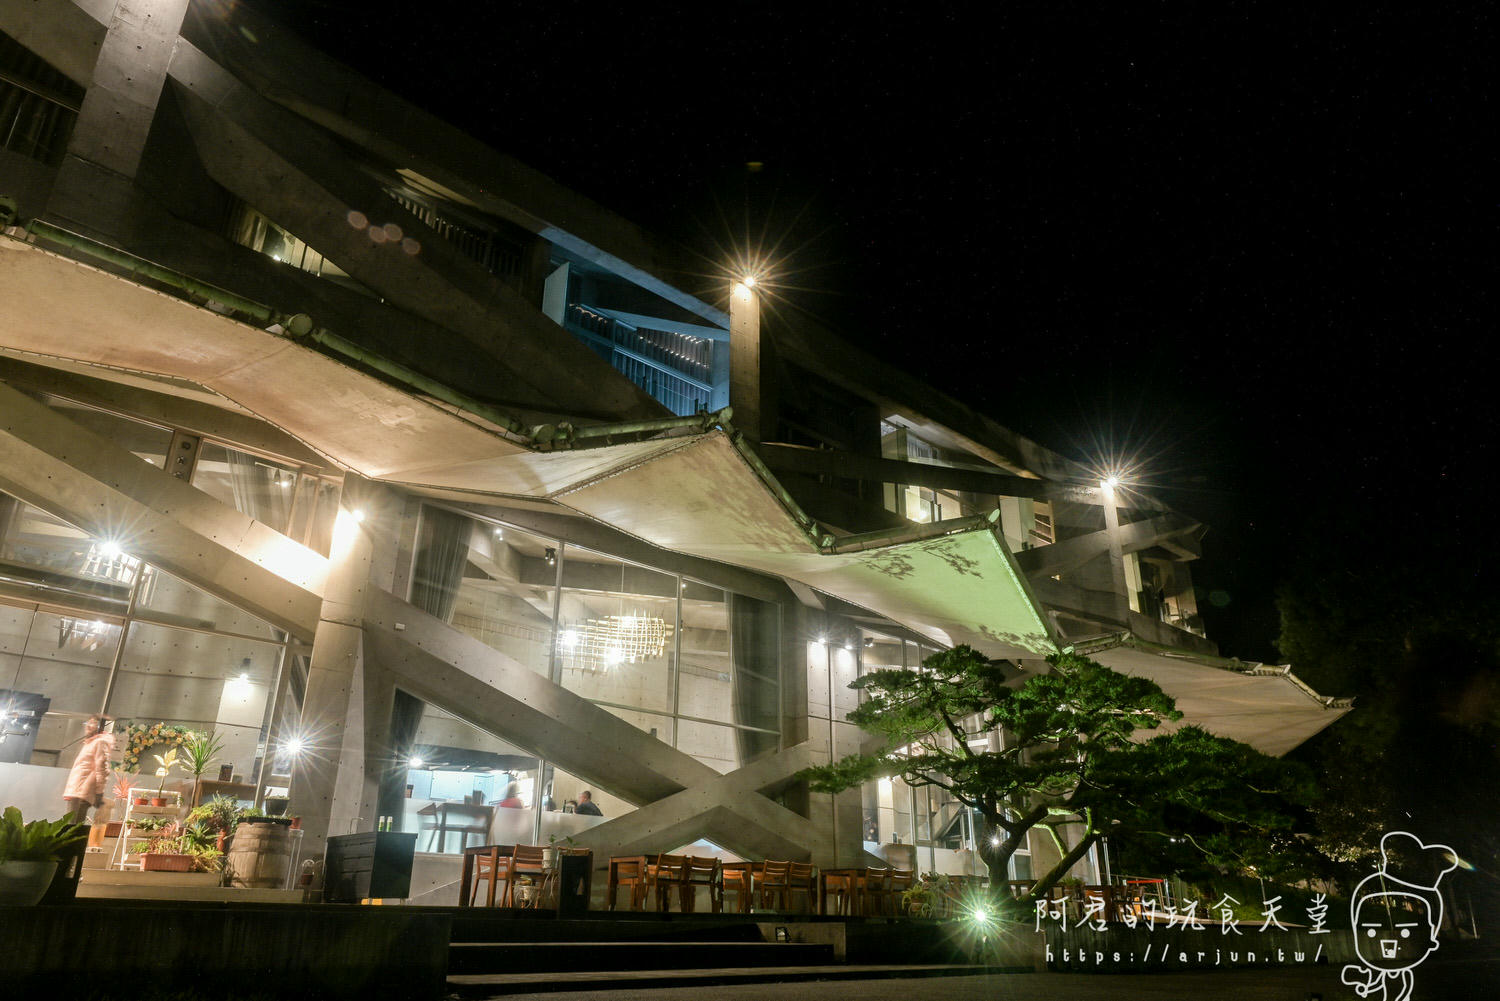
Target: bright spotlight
<point>358,514</point>
<point>295,746</point>
<point>1112,482</point>
<point>414,763</point>
<point>110,549</point>
<point>749,281</point>
<point>981,915</point>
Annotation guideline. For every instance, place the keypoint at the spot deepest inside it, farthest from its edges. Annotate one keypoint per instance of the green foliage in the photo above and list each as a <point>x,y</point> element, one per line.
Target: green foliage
<point>38,841</point>
<point>148,824</point>
<point>1073,758</point>
<point>194,840</point>
<point>201,750</point>
<point>220,814</point>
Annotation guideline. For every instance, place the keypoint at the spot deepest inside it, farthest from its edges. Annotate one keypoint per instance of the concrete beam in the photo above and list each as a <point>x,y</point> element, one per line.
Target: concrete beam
<point>286,70</point>
<point>448,668</point>
<point>161,408</point>
<point>70,472</point>
<point>729,810</point>
<point>63,33</point>
<point>823,462</point>
<point>296,174</point>
<point>1060,557</point>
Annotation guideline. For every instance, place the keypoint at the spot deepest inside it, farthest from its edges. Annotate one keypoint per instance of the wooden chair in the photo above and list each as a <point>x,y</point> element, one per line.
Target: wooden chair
<point>666,872</point>
<point>872,890</point>
<point>632,875</point>
<point>527,861</point>
<point>774,882</point>
<point>702,872</point>
<point>492,866</point>
<point>841,891</point>
<point>800,879</point>
<point>740,878</point>
<point>900,881</point>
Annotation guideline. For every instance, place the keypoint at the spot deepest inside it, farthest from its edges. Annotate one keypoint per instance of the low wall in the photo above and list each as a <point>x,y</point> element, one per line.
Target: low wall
<point>36,790</point>
<point>1120,949</point>
<point>122,950</point>
<point>864,941</point>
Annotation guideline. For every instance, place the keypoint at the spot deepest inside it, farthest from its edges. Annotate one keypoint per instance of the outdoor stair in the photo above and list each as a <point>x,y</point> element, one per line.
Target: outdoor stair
<point>489,958</point>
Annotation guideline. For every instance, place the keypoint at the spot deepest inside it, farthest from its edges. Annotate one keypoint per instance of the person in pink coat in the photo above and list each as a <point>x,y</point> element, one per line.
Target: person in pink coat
<point>90,771</point>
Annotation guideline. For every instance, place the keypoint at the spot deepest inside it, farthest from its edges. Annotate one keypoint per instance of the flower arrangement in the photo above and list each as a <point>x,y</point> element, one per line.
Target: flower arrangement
<point>139,737</point>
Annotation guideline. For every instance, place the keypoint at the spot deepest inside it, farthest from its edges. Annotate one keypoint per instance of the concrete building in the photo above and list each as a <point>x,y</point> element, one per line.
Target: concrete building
<point>409,473</point>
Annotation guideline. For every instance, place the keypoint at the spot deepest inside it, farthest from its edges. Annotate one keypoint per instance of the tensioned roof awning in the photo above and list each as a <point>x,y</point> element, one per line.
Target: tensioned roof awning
<point>1268,708</point>
<point>697,494</point>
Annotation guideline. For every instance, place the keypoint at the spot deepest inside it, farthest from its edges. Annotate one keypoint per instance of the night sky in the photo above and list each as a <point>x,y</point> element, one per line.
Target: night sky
<point>1254,249</point>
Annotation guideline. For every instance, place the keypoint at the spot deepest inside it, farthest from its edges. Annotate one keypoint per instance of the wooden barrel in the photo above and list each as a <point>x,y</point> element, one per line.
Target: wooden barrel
<point>260,856</point>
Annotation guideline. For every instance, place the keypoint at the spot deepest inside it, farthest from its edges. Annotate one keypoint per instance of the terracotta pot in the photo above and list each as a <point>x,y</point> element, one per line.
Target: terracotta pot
<point>158,801</point>
<point>141,801</point>
<point>166,862</point>
<point>296,823</point>
<point>112,829</point>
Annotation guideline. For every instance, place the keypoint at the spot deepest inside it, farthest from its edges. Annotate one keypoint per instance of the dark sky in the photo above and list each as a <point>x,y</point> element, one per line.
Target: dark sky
<point>1252,245</point>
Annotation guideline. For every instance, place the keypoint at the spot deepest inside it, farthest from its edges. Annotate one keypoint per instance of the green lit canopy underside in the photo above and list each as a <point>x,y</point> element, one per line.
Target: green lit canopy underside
<point>696,494</point>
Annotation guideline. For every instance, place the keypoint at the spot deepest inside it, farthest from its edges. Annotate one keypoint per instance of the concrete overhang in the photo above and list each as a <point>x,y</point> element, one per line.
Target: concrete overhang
<point>1268,708</point>
<point>75,313</point>
<point>697,494</point>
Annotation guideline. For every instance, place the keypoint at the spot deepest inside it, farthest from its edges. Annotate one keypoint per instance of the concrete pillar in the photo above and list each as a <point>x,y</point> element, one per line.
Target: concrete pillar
<point>1116,551</point>
<point>745,361</point>
<point>329,772</point>
<point>95,191</point>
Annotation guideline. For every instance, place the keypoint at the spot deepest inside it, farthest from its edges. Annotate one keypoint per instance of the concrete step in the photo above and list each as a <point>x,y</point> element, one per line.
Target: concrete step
<point>497,925</point>
<point>558,958</point>
<point>473,987</point>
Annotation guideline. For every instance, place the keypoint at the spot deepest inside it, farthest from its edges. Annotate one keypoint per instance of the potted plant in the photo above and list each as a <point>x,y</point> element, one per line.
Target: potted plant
<point>218,817</point>
<point>166,762</point>
<point>201,750</point>
<point>29,854</point>
<point>188,849</point>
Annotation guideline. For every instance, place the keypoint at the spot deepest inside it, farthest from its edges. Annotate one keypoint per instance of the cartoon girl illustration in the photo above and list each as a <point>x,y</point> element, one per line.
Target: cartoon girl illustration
<point>1396,913</point>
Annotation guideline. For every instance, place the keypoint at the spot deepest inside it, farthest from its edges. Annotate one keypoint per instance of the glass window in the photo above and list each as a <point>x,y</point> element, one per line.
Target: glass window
<point>213,683</point>
<point>618,626</point>
<point>55,667</point>
<point>492,582</point>
<point>463,786</point>
<point>170,600</point>
<point>252,485</point>
<point>144,441</point>
<point>46,556</point>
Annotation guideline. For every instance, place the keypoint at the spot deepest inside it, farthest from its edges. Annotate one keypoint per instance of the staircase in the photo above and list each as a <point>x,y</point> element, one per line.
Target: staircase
<point>492,958</point>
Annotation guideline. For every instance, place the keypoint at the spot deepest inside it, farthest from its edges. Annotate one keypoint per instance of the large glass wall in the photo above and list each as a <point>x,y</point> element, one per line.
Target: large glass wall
<point>692,665</point>
<point>86,628</point>
<point>455,785</point>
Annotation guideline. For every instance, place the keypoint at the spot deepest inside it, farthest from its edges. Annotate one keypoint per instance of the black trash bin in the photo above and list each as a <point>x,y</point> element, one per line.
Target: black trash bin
<point>574,883</point>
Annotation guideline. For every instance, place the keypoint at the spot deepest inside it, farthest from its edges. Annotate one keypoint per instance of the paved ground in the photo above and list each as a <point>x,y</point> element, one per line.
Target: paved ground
<point>1456,982</point>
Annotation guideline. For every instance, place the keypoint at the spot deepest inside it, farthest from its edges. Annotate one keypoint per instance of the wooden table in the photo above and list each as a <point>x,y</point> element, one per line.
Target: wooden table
<point>481,817</point>
<point>615,862</point>
<point>500,852</point>
<point>850,874</point>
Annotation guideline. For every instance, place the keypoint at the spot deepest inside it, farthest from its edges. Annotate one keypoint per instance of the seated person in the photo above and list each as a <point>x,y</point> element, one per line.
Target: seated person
<point>586,805</point>
<point>512,800</point>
